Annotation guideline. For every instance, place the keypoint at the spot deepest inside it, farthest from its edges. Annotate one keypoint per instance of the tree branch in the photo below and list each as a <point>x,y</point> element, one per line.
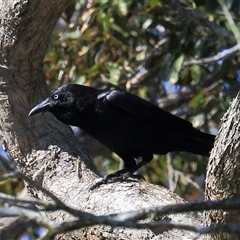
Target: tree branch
<point>126,219</point>
<point>215,58</point>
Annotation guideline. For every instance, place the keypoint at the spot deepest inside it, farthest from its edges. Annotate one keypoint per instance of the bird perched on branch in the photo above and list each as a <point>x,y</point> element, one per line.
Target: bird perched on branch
<point>128,125</point>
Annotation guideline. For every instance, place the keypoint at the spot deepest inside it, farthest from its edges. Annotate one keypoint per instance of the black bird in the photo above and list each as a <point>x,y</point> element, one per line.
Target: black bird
<point>131,127</point>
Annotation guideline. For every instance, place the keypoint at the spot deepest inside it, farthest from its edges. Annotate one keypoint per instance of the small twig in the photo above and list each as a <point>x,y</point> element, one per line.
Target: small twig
<point>58,202</point>
<point>8,176</point>
<point>227,204</point>
<point>230,20</point>
<point>156,226</point>
<point>14,201</point>
<point>30,215</point>
<point>172,181</point>
<point>78,168</point>
<point>189,179</point>
<point>215,58</point>
<point>160,226</point>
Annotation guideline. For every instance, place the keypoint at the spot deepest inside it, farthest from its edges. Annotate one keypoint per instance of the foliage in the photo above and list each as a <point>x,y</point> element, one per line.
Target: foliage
<point>147,47</point>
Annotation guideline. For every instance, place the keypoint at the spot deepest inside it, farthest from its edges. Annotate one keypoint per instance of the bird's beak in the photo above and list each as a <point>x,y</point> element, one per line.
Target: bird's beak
<point>41,107</point>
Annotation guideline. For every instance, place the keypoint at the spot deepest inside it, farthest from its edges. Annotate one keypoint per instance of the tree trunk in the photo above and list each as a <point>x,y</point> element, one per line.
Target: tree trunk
<point>44,148</point>
<point>222,179</point>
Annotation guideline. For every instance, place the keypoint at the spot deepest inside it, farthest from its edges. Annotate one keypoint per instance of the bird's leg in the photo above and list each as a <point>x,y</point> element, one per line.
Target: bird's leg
<point>121,175</point>
<point>118,175</point>
<point>130,173</point>
<point>115,175</point>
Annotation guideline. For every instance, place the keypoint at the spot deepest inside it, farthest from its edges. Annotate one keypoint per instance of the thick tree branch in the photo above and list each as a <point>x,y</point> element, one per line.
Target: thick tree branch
<point>126,219</point>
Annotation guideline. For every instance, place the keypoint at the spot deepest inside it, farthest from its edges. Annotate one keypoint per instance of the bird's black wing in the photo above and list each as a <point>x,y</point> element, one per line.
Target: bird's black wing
<point>143,109</point>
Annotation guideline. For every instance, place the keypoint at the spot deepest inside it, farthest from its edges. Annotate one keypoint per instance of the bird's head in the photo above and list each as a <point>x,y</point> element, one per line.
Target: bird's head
<point>59,103</point>
<point>67,103</point>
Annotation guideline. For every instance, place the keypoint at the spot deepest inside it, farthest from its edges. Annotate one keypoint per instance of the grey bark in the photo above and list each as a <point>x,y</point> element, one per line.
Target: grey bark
<point>45,149</point>
<point>222,178</point>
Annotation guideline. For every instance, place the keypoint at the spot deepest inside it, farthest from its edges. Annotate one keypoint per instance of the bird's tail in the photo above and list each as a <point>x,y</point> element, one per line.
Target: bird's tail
<point>199,143</point>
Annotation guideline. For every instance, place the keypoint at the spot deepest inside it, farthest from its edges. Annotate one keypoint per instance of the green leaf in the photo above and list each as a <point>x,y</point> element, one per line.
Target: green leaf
<point>195,73</point>
<point>177,65</point>
<point>196,101</point>
<point>147,23</point>
<point>81,80</point>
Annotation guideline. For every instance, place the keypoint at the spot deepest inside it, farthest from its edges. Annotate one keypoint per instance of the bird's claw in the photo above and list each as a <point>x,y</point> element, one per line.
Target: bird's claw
<point>97,185</point>
<point>114,178</point>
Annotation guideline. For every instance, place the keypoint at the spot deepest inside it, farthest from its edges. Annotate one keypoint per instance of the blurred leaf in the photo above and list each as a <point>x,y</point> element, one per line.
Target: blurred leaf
<point>11,186</point>
<point>195,73</point>
<point>196,101</point>
<point>81,80</point>
<point>177,64</point>
<point>83,51</point>
<point>146,24</point>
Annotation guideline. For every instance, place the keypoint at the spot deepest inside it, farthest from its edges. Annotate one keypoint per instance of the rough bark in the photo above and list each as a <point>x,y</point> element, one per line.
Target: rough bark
<point>45,149</point>
<point>223,178</point>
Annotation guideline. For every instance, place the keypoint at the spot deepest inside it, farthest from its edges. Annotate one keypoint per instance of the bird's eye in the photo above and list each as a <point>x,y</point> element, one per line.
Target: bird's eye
<point>55,96</point>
